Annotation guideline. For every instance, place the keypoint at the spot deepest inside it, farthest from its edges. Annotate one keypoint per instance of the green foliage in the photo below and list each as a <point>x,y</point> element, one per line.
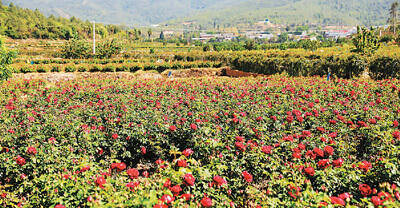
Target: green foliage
<point>76,49</point>
<point>366,41</point>
<point>19,23</point>
<point>6,58</point>
<point>81,49</point>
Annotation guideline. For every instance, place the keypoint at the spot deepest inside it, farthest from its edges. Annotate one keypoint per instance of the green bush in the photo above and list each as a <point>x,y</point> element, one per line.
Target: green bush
<point>70,68</point>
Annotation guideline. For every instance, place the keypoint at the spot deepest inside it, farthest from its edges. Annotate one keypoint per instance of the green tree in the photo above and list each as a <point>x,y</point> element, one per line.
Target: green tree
<point>366,41</point>
<point>6,59</point>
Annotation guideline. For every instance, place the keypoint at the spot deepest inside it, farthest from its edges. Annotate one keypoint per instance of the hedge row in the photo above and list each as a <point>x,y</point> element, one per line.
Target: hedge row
<point>127,67</point>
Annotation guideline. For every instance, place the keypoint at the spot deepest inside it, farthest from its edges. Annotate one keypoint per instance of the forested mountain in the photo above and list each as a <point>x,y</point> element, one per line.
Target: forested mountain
<point>222,12</point>
<point>18,23</point>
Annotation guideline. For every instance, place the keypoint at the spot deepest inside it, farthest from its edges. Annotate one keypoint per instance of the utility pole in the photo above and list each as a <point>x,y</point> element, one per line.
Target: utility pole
<point>94,38</point>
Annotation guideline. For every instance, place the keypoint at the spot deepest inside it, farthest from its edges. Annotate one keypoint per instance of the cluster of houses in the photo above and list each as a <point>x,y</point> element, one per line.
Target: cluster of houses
<point>266,30</point>
<point>256,34</point>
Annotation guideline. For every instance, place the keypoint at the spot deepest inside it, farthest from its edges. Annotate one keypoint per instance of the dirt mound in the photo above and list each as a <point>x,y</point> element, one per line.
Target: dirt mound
<point>186,73</point>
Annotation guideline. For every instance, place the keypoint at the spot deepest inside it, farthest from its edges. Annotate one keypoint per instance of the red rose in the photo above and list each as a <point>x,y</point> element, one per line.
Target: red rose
<point>187,152</point>
<point>328,150</point>
<point>365,166</point>
<point>143,150</point>
<point>206,202</point>
<point>31,151</point>
<point>338,162</point>
<point>167,198</point>
<point>189,179</point>
<point>324,163</point>
<point>182,163</point>
<point>247,176</point>
<point>193,126</point>
<point>176,189</point>
<point>337,200</point>
<point>119,166</point>
<point>186,196</point>
<point>100,181</point>
<point>132,185</point>
<point>59,206</point>
<point>376,201</point>
<point>396,134</point>
<point>310,171</point>
<point>115,136</point>
<point>395,123</point>
<point>344,196</point>
<point>52,140</point>
<point>160,206</point>
<point>318,152</point>
<point>172,128</point>
<point>240,146</point>
<point>133,173</point>
<point>20,161</point>
<point>219,180</point>
<point>266,149</point>
<point>365,189</point>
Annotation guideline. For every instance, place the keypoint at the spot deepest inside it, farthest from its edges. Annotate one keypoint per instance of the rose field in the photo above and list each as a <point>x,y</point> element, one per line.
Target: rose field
<point>272,141</point>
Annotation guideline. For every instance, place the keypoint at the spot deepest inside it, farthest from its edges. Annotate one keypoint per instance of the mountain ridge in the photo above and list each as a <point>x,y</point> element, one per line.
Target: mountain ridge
<point>223,12</point>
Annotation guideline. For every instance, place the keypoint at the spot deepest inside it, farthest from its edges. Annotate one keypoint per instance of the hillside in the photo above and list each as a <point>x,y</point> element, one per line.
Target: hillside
<point>20,23</point>
<point>222,12</point>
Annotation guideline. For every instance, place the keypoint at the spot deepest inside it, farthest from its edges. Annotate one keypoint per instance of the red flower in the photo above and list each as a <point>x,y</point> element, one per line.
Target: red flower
<point>365,166</point>
<point>189,179</point>
<point>187,152</point>
<point>193,126</point>
<point>20,161</point>
<point>365,189</point>
<point>324,163</point>
<point>318,152</point>
<point>376,201</point>
<point>186,196</point>
<point>143,150</point>
<point>52,140</point>
<point>247,176</point>
<point>160,206</point>
<point>167,198</point>
<point>344,196</point>
<point>59,206</point>
<point>338,162</point>
<point>176,189</point>
<point>172,128</point>
<point>132,185</point>
<point>182,163</point>
<point>31,151</point>
<point>396,134</point>
<point>100,181</point>
<point>310,171</point>
<point>267,149</point>
<point>240,146</point>
<point>133,173</point>
<point>395,123</point>
<point>206,202</point>
<point>115,136</point>
<point>219,180</point>
<point>328,150</point>
<point>337,200</point>
<point>119,166</point>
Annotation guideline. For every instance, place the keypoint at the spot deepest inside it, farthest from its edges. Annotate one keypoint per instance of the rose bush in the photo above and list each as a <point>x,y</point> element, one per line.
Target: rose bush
<point>213,142</point>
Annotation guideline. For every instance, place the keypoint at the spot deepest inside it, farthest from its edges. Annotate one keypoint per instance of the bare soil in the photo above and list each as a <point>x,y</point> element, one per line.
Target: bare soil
<point>54,77</point>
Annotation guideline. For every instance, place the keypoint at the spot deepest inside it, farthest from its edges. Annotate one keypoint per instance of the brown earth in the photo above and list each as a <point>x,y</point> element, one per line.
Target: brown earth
<point>184,73</point>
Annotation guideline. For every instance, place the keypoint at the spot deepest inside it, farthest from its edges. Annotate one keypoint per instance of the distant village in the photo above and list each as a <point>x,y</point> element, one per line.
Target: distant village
<point>265,30</point>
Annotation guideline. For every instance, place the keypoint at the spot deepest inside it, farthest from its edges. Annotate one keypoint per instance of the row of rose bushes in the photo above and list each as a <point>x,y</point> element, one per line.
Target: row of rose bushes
<point>302,63</point>
<point>266,142</point>
<point>117,67</point>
